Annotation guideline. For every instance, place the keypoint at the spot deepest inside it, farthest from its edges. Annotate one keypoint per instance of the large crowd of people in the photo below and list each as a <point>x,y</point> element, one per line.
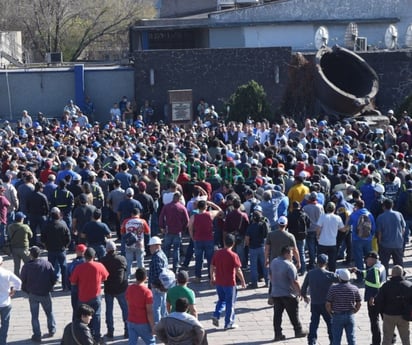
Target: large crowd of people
<point>279,199</point>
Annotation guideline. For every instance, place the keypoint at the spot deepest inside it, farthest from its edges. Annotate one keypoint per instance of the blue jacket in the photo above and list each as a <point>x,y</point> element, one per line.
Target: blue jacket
<point>353,222</point>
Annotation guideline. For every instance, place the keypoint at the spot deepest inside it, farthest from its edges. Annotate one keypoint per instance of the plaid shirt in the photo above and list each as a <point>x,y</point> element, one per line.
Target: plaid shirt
<point>158,262</point>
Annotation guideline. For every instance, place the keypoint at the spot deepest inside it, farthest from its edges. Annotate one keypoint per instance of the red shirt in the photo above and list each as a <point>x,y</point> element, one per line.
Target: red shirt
<point>89,277</point>
<point>203,227</point>
<point>226,262</point>
<point>4,204</point>
<point>44,174</point>
<point>138,297</point>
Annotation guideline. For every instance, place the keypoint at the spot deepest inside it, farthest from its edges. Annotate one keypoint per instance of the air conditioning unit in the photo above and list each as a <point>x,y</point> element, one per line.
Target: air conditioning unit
<point>54,58</point>
<point>361,44</point>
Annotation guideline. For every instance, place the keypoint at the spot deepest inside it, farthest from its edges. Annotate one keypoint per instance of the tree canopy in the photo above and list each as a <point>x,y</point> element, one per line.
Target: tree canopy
<point>70,26</point>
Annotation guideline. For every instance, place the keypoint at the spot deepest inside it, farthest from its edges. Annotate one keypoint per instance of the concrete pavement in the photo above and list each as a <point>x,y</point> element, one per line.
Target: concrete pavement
<point>253,315</point>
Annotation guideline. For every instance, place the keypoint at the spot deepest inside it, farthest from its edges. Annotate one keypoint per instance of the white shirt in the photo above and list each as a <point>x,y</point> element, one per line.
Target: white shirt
<point>330,224</point>
<point>7,280</point>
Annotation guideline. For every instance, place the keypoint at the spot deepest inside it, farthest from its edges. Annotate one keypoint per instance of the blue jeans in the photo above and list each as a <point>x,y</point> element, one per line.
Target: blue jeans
<point>46,304</point>
<point>300,244</point>
<point>318,310</point>
<point>226,299</point>
<point>131,253</point>
<point>359,250</point>
<point>408,230</point>
<point>100,250</point>
<point>141,330</point>
<point>109,299</point>
<point>340,322</point>
<point>257,257</point>
<point>159,304</point>
<point>96,304</point>
<point>311,244</point>
<point>5,319</point>
<point>203,248</point>
<point>174,240</point>
<point>58,260</point>
<point>2,234</point>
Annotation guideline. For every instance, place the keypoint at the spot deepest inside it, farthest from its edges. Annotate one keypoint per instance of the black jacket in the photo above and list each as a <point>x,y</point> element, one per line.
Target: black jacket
<point>393,296</point>
<point>116,265</point>
<point>79,330</point>
<point>55,235</point>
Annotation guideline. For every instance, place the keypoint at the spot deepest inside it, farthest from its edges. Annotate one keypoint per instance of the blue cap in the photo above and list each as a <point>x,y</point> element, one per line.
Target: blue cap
<point>19,216</point>
<point>218,197</point>
<point>152,161</point>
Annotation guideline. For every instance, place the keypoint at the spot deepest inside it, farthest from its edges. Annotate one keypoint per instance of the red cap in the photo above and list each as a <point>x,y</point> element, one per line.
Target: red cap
<point>365,172</point>
<point>229,159</point>
<point>81,248</point>
<point>142,186</point>
<point>401,155</point>
<point>268,161</point>
<point>259,181</point>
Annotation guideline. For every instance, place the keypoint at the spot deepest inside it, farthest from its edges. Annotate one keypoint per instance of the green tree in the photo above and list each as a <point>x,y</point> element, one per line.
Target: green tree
<point>71,26</point>
<point>249,100</point>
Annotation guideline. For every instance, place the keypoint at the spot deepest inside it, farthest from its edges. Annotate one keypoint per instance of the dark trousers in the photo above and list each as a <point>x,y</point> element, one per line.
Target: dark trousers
<point>385,255</point>
<point>374,321</point>
<point>330,251</point>
<point>346,238</point>
<point>291,305</point>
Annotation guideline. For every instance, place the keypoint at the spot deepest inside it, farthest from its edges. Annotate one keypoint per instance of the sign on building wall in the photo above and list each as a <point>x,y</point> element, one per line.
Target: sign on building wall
<point>181,106</point>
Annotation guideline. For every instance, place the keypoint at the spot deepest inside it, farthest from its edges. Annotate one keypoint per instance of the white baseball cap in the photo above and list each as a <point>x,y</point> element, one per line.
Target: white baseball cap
<point>155,240</point>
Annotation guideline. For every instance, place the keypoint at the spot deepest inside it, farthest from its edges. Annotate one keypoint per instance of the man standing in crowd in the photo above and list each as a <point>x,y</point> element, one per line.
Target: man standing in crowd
<point>173,221</point>
<point>360,220</point>
<point>89,277</point>
<point>299,223</point>
<point>393,298</point>
<point>9,284</point>
<point>82,214</point>
<point>140,320</point>
<point>4,205</point>
<point>255,239</point>
<point>38,210</point>
<point>201,232</point>
<point>390,228</point>
<point>314,210</point>
<point>318,281</point>
<point>374,276</point>
<point>56,237</point>
<point>181,291</point>
<point>224,269</point>
<point>64,200</point>
<point>114,198</point>
<point>342,302</point>
<point>96,233</point>
<point>19,236</point>
<point>133,230</point>
<point>115,286</point>
<point>79,251</point>
<point>157,264</point>
<point>276,240</point>
<point>38,279</point>
<point>285,292</point>
<point>328,226</point>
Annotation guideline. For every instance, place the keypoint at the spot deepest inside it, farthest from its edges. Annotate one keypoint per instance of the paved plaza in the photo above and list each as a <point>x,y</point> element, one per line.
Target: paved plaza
<point>254,316</point>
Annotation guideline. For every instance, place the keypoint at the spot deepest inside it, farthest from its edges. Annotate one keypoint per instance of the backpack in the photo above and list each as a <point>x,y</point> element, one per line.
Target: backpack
<point>298,225</point>
<point>364,226</point>
<point>167,279</point>
<point>130,239</point>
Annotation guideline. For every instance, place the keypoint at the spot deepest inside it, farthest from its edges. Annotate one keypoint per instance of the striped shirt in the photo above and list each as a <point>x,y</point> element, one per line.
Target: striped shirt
<point>343,297</point>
